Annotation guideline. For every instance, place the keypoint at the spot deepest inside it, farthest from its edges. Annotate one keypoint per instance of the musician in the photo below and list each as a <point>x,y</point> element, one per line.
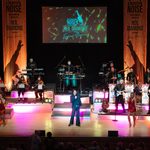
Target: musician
<point>31,66</point>
<point>147,76</point>
<point>2,86</point>
<point>76,103</point>
<point>112,76</point>
<point>39,88</point>
<point>70,77</point>
<point>21,87</point>
<point>131,77</point>
<point>15,79</point>
<point>2,110</point>
<point>138,92</point>
<point>132,109</point>
<point>105,106</point>
<point>119,91</point>
<point>149,99</point>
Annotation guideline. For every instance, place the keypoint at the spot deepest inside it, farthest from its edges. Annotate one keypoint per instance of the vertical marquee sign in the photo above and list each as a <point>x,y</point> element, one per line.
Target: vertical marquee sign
<point>135,36</point>
<point>14,38</point>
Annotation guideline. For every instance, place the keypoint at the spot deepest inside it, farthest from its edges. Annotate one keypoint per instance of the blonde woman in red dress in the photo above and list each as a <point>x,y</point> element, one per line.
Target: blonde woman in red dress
<point>132,109</point>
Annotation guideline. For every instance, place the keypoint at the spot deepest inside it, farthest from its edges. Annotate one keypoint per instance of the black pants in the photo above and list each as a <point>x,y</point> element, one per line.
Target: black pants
<point>21,91</point>
<point>40,93</point>
<point>120,99</point>
<point>77,112</point>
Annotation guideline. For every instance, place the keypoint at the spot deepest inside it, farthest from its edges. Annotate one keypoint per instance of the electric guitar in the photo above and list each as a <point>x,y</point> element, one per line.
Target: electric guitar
<point>118,93</point>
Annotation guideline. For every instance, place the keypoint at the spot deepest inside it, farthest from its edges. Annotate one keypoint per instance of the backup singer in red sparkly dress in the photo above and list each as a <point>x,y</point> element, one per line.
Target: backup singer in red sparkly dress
<point>132,109</point>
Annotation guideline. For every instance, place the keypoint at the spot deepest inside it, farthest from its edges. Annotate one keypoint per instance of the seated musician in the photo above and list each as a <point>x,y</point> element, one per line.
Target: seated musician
<point>119,91</point>
<point>15,79</point>
<point>2,110</point>
<point>21,86</point>
<point>39,88</point>
<point>69,68</point>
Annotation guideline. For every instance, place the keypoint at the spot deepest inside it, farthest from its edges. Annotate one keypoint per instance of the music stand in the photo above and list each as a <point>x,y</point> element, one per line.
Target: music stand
<point>115,117</point>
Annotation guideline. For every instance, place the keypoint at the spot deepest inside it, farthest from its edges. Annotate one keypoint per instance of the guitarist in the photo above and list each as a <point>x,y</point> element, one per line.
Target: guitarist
<point>119,90</point>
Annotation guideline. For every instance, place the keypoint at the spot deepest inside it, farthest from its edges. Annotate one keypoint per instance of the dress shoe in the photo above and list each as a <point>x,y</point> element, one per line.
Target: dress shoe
<point>70,124</point>
<point>78,125</point>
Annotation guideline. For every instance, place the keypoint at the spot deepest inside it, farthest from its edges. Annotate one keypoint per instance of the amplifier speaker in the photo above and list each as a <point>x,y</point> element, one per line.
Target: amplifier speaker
<point>41,133</point>
<point>112,133</point>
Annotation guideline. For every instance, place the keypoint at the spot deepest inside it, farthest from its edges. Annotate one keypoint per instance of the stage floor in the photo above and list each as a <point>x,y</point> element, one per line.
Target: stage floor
<point>30,117</point>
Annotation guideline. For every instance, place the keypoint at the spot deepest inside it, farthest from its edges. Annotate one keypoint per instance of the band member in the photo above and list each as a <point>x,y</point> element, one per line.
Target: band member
<point>147,76</point>
<point>32,64</point>
<point>39,88</point>
<point>119,90</point>
<point>31,67</point>
<point>15,79</point>
<point>2,87</point>
<point>70,77</point>
<point>76,103</point>
<point>21,87</point>
<point>131,77</point>
<point>149,99</point>
<point>105,105</point>
<point>112,76</point>
<point>132,109</point>
<point>138,92</point>
<point>2,110</point>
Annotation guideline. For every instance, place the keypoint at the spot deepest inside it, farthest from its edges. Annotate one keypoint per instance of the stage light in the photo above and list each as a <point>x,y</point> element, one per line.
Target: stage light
<point>48,100</point>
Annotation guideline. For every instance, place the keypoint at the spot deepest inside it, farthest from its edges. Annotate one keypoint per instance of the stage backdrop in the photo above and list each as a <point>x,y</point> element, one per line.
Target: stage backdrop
<point>135,36</point>
<point>14,38</point>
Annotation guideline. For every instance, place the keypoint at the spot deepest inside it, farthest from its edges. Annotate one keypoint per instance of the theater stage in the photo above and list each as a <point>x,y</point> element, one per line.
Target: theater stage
<point>30,117</point>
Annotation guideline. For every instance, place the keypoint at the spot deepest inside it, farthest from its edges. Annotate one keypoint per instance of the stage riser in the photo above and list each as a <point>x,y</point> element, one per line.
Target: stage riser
<point>31,94</point>
<point>141,108</point>
<point>110,95</point>
<point>60,99</point>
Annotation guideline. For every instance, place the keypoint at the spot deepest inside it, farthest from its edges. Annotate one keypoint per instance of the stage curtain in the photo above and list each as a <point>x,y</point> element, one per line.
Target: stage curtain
<point>14,38</point>
<point>135,36</point>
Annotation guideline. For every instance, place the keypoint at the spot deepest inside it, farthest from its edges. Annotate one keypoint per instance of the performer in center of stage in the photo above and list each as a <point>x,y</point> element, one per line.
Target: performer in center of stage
<point>76,103</point>
<point>119,91</point>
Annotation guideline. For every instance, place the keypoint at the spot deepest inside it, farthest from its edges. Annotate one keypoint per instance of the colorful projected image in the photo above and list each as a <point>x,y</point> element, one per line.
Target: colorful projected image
<point>74,24</point>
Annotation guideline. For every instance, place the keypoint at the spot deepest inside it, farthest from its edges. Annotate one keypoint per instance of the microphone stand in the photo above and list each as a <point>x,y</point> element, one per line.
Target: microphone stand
<point>115,113</point>
<point>115,117</point>
<point>61,61</point>
<point>81,62</point>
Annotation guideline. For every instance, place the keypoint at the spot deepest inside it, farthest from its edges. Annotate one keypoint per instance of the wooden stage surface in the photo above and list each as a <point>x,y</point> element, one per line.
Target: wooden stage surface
<point>30,117</point>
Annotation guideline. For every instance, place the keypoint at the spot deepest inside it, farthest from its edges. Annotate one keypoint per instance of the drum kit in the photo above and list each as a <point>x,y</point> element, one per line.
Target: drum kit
<point>64,70</point>
<point>69,74</point>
